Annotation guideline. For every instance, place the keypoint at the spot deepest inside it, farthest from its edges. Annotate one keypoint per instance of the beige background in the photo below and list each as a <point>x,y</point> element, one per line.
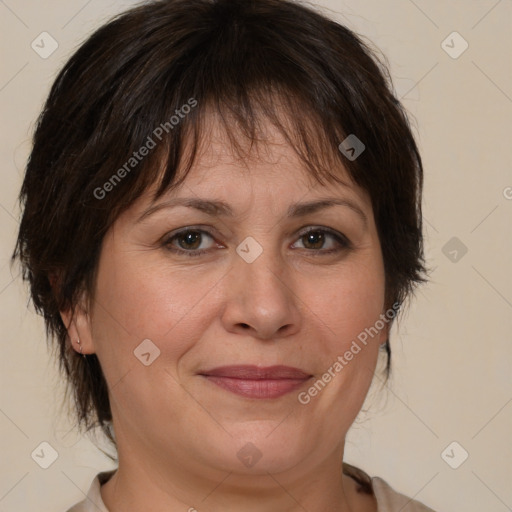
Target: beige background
<point>452,354</point>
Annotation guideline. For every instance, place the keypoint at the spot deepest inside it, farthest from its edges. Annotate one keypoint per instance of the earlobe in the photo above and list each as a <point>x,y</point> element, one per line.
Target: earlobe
<point>77,322</point>
<point>79,332</point>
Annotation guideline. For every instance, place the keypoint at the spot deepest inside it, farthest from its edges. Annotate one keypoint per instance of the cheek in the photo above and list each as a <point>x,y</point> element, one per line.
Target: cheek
<point>137,301</point>
<point>350,304</point>
<point>348,346</point>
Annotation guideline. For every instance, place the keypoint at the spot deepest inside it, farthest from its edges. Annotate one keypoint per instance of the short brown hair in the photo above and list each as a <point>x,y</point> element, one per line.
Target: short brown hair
<point>239,59</point>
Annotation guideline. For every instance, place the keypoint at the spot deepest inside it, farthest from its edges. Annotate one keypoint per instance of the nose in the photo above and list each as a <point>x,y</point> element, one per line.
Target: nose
<point>260,299</point>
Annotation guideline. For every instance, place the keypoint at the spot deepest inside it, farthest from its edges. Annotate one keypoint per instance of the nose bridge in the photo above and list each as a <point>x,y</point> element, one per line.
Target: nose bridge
<point>260,269</point>
<point>260,295</point>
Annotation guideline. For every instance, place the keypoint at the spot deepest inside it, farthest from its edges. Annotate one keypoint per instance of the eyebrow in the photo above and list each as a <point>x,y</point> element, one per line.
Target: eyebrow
<point>219,208</point>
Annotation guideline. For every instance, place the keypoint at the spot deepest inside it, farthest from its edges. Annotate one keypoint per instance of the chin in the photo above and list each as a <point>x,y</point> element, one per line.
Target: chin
<point>263,447</point>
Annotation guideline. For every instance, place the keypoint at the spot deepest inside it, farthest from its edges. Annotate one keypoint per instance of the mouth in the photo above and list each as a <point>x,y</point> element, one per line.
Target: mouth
<point>255,381</point>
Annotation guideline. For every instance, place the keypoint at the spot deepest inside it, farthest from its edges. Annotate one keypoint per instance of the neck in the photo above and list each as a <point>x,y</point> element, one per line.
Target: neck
<point>148,481</point>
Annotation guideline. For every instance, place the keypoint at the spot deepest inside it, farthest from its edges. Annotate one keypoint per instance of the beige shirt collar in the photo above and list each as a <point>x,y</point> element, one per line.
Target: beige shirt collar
<point>388,500</point>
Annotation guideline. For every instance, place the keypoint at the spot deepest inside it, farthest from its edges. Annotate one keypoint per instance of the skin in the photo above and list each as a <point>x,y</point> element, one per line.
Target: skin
<point>178,434</point>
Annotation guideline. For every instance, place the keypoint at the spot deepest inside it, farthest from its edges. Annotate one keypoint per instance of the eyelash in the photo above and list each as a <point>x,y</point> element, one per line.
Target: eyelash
<point>340,239</point>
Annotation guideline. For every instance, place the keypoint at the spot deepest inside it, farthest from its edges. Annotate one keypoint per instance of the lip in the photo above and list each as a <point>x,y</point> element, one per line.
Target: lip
<point>254,372</point>
<point>260,382</point>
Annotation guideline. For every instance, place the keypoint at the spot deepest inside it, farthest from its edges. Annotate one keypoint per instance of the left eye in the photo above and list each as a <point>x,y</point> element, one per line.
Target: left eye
<point>189,241</point>
<point>317,236</point>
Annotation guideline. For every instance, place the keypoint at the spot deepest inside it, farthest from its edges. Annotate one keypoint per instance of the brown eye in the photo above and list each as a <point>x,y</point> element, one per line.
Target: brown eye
<point>190,239</point>
<point>188,242</point>
<point>315,239</point>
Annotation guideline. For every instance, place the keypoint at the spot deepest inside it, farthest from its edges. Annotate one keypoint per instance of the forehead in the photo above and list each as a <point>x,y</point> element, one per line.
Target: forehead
<point>225,157</point>
<point>270,166</point>
<point>254,177</point>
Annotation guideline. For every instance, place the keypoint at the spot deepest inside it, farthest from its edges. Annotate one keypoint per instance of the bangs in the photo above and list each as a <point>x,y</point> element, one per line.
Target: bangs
<point>245,133</point>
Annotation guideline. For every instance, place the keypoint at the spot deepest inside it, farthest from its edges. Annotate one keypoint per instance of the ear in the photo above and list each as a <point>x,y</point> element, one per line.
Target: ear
<point>77,323</point>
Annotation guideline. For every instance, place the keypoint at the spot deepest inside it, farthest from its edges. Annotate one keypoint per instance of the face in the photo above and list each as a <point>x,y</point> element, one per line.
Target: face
<point>268,285</point>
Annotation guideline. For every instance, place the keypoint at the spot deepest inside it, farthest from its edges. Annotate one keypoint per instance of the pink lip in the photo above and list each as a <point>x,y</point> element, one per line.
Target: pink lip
<point>257,382</point>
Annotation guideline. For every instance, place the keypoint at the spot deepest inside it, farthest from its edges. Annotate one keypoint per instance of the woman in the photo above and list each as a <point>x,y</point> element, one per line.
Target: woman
<point>221,220</point>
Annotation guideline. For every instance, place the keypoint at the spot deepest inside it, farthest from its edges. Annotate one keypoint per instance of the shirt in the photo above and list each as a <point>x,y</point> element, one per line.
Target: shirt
<point>388,500</point>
